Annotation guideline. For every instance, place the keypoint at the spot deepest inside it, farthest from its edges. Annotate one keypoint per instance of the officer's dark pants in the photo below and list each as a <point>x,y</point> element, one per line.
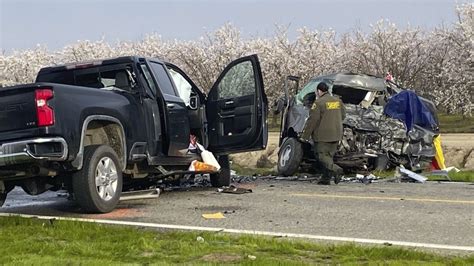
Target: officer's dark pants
<point>324,152</point>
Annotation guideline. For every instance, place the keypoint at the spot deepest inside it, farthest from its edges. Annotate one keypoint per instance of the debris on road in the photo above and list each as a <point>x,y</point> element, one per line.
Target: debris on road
<point>208,157</point>
<point>365,179</point>
<point>217,215</point>
<point>234,190</point>
<point>412,175</point>
<point>243,179</point>
<point>298,178</point>
<point>201,167</point>
<point>140,194</point>
<point>452,168</point>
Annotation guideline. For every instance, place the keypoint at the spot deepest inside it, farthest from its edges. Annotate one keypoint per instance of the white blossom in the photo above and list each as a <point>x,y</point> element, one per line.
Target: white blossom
<point>438,64</point>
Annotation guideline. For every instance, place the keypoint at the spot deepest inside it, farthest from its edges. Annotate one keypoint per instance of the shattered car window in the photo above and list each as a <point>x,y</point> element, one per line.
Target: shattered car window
<point>310,87</point>
<point>182,85</point>
<point>238,81</point>
<point>350,95</point>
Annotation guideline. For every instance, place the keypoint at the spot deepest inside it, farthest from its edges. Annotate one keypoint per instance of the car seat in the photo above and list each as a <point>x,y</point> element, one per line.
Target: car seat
<point>121,81</point>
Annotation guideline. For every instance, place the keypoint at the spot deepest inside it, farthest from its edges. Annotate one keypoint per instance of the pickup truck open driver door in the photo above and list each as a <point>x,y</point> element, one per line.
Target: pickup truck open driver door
<point>237,108</point>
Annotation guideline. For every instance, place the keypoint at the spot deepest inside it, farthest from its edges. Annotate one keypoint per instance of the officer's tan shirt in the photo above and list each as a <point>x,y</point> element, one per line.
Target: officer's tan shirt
<point>325,120</point>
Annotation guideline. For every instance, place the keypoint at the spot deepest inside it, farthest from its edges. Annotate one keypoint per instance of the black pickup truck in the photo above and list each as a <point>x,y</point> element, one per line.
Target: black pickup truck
<point>102,127</point>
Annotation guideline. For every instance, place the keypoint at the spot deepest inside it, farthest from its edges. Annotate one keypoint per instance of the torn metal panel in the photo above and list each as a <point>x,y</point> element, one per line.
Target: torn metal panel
<point>413,175</point>
<point>297,116</point>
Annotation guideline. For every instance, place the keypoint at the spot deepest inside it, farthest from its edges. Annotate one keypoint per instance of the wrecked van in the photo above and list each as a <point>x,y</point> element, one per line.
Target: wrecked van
<point>385,125</point>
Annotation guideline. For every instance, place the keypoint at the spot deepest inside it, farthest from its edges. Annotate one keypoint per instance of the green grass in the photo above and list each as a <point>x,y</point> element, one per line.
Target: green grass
<point>455,124</point>
<point>40,242</point>
<point>463,176</point>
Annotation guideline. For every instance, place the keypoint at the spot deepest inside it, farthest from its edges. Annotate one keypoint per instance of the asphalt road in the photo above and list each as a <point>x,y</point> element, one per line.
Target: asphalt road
<point>437,213</point>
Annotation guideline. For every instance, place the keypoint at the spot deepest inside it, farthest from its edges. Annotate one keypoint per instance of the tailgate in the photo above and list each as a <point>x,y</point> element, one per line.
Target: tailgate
<point>17,108</point>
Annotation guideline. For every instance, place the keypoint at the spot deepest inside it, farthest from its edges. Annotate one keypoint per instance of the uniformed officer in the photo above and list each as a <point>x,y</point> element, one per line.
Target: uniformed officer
<point>324,125</point>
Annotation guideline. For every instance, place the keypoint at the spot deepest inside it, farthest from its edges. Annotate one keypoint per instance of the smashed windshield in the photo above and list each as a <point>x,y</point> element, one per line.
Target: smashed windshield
<point>310,87</point>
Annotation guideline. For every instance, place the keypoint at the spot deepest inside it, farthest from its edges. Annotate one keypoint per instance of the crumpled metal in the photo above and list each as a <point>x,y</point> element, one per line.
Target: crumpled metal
<point>368,130</point>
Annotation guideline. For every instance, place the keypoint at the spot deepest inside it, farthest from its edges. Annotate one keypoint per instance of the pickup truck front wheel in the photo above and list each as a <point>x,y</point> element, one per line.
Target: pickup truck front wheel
<point>98,185</point>
<point>223,177</point>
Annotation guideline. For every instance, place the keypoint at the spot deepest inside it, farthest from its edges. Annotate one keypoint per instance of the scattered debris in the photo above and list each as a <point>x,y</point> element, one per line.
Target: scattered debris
<point>297,178</point>
<point>202,167</point>
<point>234,190</point>
<point>153,193</point>
<point>252,257</point>
<point>200,239</point>
<point>439,172</point>
<point>243,179</point>
<point>217,215</point>
<point>365,179</point>
<point>413,175</point>
<point>208,157</point>
<point>451,168</point>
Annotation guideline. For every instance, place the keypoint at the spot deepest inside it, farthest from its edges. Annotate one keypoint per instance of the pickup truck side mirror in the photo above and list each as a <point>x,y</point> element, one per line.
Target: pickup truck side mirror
<point>193,102</point>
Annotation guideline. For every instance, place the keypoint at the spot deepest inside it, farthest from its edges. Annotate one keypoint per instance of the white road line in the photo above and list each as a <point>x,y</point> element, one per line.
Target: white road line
<point>249,232</point>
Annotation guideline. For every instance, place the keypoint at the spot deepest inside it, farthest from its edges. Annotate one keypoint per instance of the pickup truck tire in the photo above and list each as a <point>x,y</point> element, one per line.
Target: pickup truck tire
<point>98,185</point>
<point>289,157</point>
<point>223,177</point>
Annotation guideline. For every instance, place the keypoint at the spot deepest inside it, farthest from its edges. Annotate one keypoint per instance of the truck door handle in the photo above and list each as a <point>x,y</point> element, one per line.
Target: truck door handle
<point>170,105</point>
<point>229,102</point>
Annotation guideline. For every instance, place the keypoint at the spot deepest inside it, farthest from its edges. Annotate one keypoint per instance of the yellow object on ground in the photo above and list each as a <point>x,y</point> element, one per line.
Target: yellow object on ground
<point>217,215</point>
<point>201,167</point>
<point>439,156</point>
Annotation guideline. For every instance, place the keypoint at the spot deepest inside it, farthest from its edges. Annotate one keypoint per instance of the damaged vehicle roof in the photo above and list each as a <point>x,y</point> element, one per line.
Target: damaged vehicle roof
<point>339,82</point>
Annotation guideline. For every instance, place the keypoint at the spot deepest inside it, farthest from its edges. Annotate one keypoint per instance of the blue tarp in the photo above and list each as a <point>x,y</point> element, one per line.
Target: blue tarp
<point>409,108</point>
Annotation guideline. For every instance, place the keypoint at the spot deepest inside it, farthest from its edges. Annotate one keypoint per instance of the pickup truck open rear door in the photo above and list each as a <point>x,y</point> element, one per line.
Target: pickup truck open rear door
<point>237,108</point>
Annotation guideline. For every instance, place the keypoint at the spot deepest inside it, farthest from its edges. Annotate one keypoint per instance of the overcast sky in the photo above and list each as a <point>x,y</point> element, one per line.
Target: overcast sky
<point>56,23</point>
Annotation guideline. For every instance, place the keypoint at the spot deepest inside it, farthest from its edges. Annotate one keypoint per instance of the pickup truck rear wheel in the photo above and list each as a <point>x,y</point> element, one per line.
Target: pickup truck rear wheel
<point>289,157</point>
<point>98,185</point>
<point>223,177</point>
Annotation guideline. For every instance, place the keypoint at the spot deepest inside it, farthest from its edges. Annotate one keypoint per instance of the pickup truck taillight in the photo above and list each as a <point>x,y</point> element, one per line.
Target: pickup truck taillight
<point>44,112</point>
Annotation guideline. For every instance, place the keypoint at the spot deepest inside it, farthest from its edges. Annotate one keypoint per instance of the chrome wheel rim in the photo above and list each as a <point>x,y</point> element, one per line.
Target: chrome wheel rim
<point>285,155</point>
<point>106,178</point>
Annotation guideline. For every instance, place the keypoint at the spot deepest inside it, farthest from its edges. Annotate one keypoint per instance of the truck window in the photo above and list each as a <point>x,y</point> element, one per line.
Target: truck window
<point>182,85</point>
<point>239,81</point>
<point>118,76</point>
<point>164,81</point>
<point>91,80</point>
<point>151,87</point>
<point>61,77</point>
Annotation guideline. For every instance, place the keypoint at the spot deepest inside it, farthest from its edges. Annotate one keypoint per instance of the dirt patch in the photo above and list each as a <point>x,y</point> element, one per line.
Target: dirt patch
<point>460,157</point>
<point>267,158</point>
<point>469,160</point>
<point>221,257</point>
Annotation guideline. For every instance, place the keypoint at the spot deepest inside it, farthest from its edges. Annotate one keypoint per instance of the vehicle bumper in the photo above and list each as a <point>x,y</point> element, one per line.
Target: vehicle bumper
<point>30,150</point>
